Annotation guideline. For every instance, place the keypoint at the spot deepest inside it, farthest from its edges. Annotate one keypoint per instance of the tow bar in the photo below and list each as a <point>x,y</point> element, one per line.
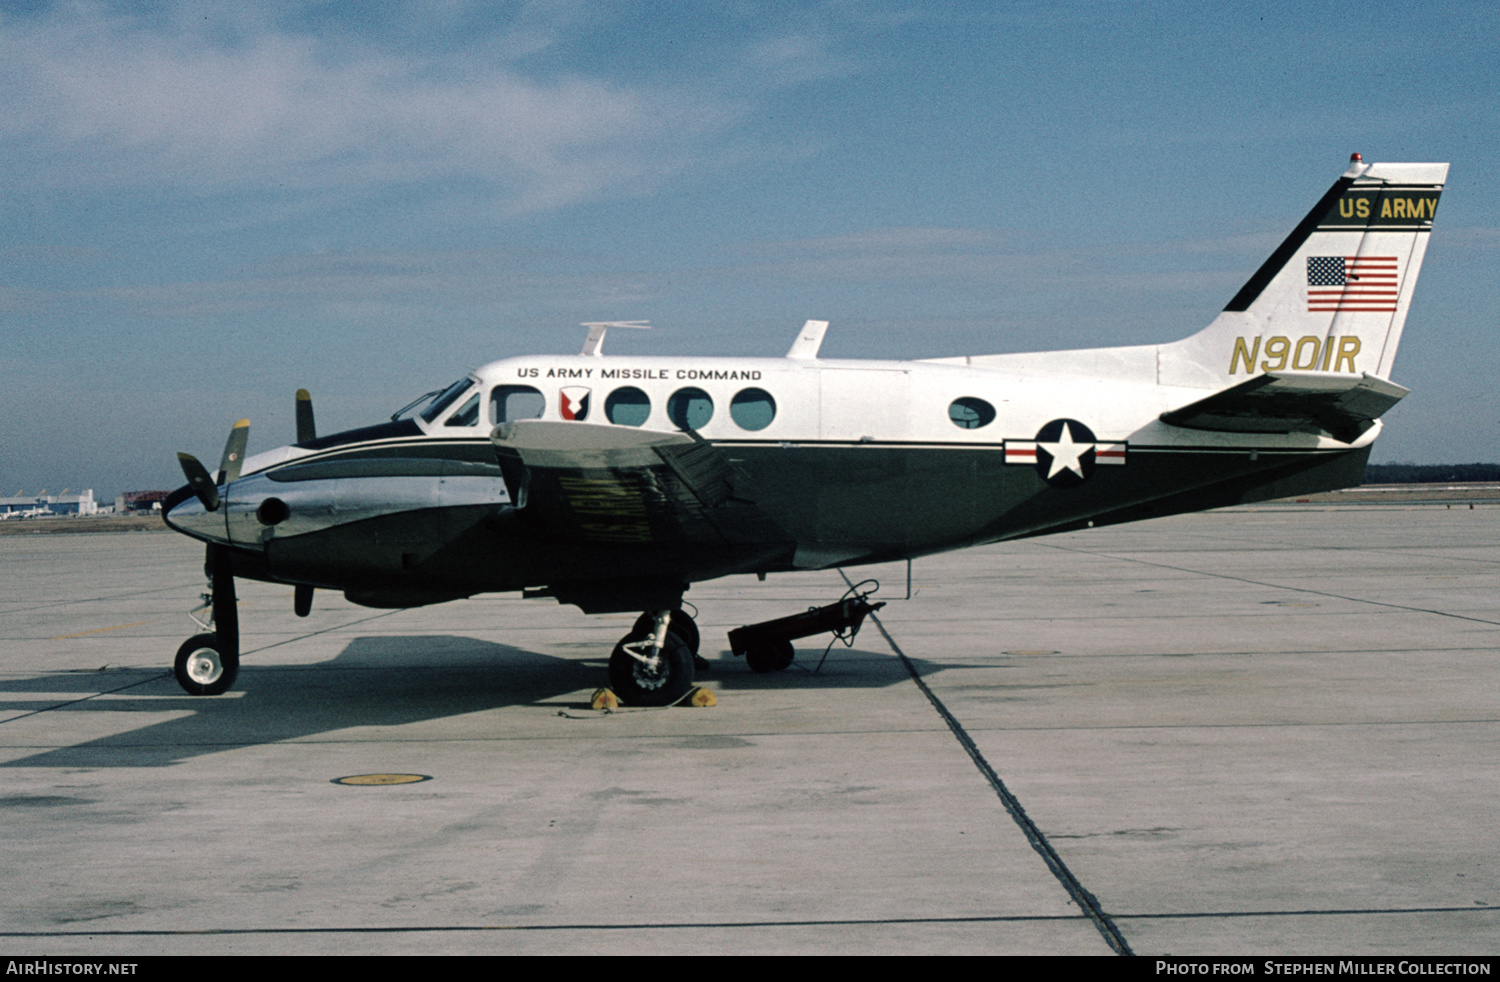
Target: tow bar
<point>767,646</point>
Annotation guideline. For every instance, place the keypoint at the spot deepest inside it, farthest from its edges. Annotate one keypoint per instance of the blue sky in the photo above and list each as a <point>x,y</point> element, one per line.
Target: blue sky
<point>210,205</point>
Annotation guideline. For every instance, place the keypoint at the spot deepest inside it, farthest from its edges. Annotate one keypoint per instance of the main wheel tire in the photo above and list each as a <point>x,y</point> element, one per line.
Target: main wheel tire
<point>204,666</point>
<point>681,625</point>
<point>772,657</point>
<point>638,685</point>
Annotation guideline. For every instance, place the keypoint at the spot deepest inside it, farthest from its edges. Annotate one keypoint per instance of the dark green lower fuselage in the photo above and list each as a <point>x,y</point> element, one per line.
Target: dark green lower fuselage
<point>817,505</point>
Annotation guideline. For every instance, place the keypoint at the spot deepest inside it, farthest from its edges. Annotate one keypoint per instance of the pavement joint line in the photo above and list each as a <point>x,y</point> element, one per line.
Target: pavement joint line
<point>91,695</point>
<point>1276,586</point>
<point>720,925</point>
<point>639,926</point>
<point>168,674</point>
<point>1238,653</point>
<point>1086,901</point>
<point>1314,912</point>
<point>313,634</point>
<point>92,600</point>
<point>1242,726</point>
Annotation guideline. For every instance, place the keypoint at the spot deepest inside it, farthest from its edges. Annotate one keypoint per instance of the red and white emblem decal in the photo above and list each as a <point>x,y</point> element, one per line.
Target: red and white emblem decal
<point>573,402</point>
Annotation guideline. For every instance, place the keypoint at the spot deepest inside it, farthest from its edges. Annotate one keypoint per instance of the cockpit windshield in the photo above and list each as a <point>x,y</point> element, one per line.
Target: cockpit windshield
<point>446,398</point>
<point>441,399</point>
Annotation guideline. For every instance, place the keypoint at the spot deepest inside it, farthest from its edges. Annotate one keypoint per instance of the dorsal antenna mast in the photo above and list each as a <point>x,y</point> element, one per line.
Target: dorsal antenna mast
<point>595,340</point>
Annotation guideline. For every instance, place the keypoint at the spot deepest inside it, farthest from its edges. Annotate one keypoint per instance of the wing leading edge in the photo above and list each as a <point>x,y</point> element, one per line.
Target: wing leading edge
<point>1341,405</point>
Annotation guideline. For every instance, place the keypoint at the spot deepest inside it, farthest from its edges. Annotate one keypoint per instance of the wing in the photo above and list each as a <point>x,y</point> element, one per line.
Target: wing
<point>1342,405</point>
<point>616,485</point>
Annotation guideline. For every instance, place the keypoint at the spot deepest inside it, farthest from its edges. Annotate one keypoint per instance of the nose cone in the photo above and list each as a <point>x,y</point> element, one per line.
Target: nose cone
<point>189,517</point>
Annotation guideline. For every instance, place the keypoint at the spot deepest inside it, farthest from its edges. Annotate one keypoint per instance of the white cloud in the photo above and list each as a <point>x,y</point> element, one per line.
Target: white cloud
<point>99,99</point>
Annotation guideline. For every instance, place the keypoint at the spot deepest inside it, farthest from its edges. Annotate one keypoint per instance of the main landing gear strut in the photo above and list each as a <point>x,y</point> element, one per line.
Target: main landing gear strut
<point>207,663</point>
<point>653,665</point>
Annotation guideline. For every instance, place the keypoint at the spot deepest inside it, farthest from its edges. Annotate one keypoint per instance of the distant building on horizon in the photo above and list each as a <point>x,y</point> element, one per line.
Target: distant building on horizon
<point>22,505</point>
<point>136,502</point>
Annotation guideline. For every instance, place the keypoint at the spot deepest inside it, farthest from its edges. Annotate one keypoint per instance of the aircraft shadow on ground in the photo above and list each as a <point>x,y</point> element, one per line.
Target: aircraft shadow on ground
<point>373,682</point>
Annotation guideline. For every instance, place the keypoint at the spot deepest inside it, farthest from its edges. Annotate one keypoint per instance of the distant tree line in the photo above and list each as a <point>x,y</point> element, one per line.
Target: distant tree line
<point>1430,473</point>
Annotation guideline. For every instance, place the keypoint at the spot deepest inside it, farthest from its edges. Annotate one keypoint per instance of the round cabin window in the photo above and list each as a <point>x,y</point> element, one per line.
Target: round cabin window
<point>627,406</point>
<point>969,413</point>
<point>690,409</point>
<point>752,409</point>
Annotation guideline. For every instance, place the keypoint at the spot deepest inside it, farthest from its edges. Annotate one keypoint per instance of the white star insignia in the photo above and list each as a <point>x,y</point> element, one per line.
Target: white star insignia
<point>1065,454</point>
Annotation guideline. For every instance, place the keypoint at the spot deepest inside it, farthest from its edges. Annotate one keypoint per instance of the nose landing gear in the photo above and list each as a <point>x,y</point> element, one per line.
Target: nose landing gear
<point>206,664</point>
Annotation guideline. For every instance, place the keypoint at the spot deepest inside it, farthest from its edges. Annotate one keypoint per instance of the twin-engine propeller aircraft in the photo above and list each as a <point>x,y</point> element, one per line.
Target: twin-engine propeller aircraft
<point>613,483</point>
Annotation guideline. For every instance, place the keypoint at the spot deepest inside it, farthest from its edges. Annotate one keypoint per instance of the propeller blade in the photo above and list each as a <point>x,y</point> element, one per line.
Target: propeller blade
<point>305,429</point>
<point>234,452</point>
<point>199,481</point>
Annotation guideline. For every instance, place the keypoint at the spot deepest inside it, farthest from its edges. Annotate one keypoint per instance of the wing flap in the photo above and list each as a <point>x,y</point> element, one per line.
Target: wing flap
<point>1341,405</point>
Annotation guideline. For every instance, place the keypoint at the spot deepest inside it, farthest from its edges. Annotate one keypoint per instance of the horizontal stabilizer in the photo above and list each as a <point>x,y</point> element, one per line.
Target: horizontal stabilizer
<point>1341,405</point>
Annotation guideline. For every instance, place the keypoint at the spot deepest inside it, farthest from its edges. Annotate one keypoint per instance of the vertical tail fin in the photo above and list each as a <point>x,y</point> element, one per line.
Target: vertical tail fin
<point>1333,297</point>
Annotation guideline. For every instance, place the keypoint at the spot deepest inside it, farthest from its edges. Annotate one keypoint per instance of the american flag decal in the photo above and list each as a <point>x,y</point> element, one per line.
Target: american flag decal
<point>1352,283</point>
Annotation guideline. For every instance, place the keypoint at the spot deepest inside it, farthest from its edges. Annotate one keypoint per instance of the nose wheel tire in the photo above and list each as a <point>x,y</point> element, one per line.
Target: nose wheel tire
<point>638,683</point>
<point>204,665</point>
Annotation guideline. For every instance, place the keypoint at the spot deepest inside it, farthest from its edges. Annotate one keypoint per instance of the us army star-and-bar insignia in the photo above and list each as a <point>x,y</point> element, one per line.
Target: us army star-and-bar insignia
<point>1064,453</point>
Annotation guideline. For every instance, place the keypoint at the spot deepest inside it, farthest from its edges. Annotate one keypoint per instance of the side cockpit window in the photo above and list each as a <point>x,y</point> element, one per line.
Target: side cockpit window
<point>467,414</point>
<point>512,402</point>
